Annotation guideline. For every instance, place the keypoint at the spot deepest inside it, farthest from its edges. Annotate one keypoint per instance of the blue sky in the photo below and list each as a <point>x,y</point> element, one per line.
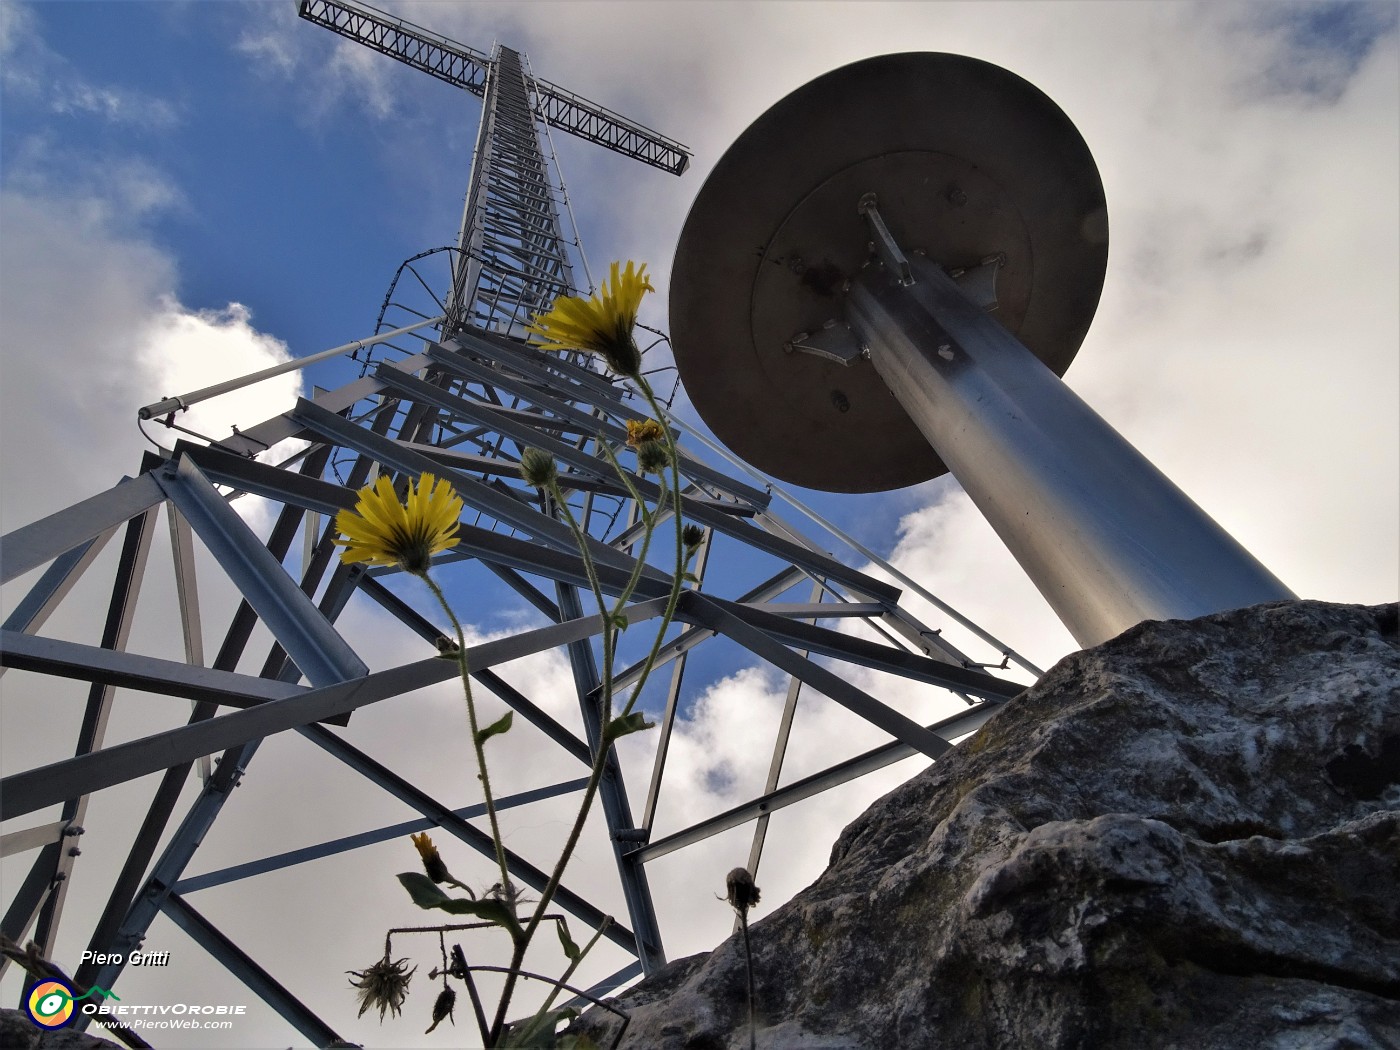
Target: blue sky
<point>188,190</point>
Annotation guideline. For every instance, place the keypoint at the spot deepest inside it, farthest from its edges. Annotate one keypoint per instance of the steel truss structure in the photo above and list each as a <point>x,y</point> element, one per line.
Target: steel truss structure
<point>460,397</point>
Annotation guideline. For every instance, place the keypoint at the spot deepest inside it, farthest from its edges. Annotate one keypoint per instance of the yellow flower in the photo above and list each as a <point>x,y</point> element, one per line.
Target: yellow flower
<point>600,325</point>
<point>432,860</point>
<point>383,531</point>
<point>640,430</point>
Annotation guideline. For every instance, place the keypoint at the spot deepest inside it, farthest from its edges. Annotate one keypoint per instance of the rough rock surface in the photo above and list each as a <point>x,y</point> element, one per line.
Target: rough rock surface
<point>1187,837</point>
<point>18,1032</point>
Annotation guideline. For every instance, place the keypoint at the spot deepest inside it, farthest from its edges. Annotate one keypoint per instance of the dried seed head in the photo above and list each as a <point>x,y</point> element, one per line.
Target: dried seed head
<point>692,536</point>
<point>383,985</point>
<point>442,1007</point>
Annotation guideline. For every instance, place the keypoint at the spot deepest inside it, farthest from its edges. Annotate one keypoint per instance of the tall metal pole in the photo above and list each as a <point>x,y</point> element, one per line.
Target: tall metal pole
<point>1103,534</point>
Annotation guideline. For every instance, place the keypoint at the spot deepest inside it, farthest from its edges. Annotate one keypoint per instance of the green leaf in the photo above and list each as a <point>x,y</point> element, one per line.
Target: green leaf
<point>426,895</point>
<point>571,949</point>
<point>619,621</point>
<point>499,726</point>
<point>690,577</point>
<point>622,725</point>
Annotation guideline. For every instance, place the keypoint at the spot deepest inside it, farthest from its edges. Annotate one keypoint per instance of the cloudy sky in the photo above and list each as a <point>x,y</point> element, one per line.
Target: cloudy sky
<point>192,191</point>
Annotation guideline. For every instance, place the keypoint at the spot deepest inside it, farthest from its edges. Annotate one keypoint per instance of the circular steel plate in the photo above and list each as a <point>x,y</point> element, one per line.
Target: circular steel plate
<point>967,160</point>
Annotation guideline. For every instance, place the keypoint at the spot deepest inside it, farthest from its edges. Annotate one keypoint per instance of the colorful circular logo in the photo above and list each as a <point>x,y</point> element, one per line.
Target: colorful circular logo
<point>50,1004</point>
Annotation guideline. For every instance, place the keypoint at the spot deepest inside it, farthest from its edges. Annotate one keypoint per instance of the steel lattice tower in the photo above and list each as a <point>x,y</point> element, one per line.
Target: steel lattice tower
<point>459,394</point>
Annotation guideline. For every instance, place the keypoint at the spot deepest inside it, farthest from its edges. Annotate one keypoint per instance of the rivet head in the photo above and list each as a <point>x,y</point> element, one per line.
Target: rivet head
<point>840,400</point>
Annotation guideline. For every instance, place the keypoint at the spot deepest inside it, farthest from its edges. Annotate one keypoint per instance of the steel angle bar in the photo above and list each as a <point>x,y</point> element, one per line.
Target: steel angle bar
<point>26,792</point>
<point>513,698</point>
<point>866,653</point>
<point>53,586</point>
<point>526,590</point>
<point>779,756</point>
<point>92,663</point>
<point>817,610</point>
<point>241,965</point>
<point>128,911</point>
<point>521,426</point>
<point>612,794</point>
<point>527,360</point>
<point>606,986</point>
<point>693,635</point>
<point>672,704</point>
<point>716,616</point>
<point>500,506</point>
<point>30,897</point>
<point>299,627</point>
<point>116,630</point>
<point>42,541</point>
<point>260,438</point>
<point>365,838</point>
<point>448,820</point>
<point>470,354</point>
<point>186,587</point>
<point>721,522</point>
<point>887,754</point>
<point>31,838</point>
<point>492,548</point>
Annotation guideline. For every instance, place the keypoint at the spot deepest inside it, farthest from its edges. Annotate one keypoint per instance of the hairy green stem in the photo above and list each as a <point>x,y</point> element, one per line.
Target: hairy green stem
<point>678,579</point>
<point>477,743</point>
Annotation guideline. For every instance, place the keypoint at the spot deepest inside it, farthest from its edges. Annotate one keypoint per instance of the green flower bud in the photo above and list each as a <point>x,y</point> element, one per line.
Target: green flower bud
<point>537,467</point>
<point>652,457</point>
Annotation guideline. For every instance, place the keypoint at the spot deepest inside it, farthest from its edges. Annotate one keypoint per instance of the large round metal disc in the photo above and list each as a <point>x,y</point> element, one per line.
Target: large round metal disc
<point>967,161</point>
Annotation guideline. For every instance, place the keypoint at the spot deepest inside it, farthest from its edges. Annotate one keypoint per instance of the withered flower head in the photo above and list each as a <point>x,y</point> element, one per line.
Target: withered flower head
<point>639,430</point>
<point>385,985</point>
<point>442,1007</point>
<point>692,536</point>
<point>743,894</point>
<point>432,860</point>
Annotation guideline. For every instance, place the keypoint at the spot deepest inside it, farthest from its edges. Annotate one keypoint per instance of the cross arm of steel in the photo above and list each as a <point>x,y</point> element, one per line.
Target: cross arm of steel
<point>455,63</point>
<point>467,68</point>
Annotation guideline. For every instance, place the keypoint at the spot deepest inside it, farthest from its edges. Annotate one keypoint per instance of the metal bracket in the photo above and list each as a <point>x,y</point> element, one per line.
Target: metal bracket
<point>885,245</point>
<point>979,283</point>
<point>834,341</point>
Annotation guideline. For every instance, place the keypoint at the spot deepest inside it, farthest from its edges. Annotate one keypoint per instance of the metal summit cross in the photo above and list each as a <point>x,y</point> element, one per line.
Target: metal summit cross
<point>455,390</point>
<point>513,259</point>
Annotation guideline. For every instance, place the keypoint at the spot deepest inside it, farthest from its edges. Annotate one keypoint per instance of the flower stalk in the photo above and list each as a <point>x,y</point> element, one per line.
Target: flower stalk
<point>384,531</point>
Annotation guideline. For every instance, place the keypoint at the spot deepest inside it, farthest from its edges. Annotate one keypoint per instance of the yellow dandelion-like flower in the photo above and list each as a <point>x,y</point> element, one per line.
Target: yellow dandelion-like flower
<point>432,860</point>
<point>600,325</point>
<point>383,531</point>
<point>640,430</point>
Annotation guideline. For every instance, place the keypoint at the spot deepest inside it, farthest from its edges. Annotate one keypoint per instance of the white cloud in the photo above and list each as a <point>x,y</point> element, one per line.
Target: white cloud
<point>94,330</point>
<point>1245,342</point>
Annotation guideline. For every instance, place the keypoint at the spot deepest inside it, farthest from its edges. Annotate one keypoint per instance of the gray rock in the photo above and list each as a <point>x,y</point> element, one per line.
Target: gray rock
<point>18,1032</point>
<point>1186,837</point>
